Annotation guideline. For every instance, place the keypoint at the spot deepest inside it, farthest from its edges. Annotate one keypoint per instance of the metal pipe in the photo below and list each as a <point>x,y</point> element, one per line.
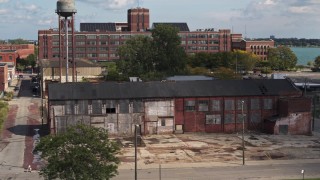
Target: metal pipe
<point>60,63</point>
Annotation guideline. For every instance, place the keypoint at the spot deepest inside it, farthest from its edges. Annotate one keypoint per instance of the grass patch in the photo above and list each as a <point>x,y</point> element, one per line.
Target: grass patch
<point>3,113</point>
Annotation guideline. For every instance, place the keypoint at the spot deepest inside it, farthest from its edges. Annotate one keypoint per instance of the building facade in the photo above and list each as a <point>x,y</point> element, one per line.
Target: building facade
<point>257,47</point>
<point>214,106</point>
<point>3,76</point>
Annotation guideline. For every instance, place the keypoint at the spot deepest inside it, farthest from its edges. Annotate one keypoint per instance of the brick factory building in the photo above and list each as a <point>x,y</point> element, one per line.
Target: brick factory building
<point>100,41</point>
<point>212,106</point>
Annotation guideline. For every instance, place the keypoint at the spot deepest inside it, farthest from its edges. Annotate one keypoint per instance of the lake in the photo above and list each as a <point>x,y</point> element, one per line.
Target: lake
<point>305,54</point>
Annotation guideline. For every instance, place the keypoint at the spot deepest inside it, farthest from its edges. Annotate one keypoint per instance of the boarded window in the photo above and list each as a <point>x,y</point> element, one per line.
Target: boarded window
<point>124,106</point>
<point>216,105</point>
<point>110,106</point>
<point>255,104</point>
<point>203,105</point>
<point>229,118</point>
<point>255,117</point>
<point>229,104</point>
<point>96,107</point>
<point>267,103</point>
<point>138,106</point>
<point>69,107</point>
<point>213,119</point>
<point>241,105</point>
<point>82,107</point>
<point>189,105</point>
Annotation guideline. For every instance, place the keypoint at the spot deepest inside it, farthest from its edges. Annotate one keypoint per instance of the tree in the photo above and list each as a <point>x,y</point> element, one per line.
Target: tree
<point>282,58</point>
<point>170,57</point>
<point>82,152</point>
<point>245,61</point>
<point>31,60</point>
<point>316,63</point>
<point>225,73</point>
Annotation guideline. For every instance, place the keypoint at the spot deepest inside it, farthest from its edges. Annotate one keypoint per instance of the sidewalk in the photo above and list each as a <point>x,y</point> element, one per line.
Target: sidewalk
<point>129,166</point>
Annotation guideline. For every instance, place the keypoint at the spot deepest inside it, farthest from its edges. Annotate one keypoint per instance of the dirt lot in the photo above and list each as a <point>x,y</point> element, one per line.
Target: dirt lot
<point>195,148</point>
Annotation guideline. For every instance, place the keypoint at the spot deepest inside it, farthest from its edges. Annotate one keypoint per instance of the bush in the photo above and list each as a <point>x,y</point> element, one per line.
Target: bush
<point>3,113</point>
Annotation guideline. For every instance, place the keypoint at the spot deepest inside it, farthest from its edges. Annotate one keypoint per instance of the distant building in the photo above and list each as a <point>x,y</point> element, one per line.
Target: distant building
<point>257,47</point>
<point>4,76</point>
<point>22,50</point>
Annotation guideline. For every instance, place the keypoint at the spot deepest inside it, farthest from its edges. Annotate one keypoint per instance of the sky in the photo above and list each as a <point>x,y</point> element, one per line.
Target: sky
<point>252,18</point>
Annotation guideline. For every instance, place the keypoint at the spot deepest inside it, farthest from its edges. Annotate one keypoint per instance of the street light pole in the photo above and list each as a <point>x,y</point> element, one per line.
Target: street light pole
<point>242,102</point>
<point>135,150</point>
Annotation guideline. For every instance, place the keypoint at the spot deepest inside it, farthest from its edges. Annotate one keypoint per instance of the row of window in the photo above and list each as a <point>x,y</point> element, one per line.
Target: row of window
<point>211,36</point>
<point>229,105</point>
<point>213,119</point>
<point>95,36</point>
<point>194,48</point>
<point>10,58</point>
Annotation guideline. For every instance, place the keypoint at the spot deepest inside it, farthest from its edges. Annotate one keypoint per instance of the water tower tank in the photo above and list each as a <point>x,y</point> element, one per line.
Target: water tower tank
<point>66,8</point>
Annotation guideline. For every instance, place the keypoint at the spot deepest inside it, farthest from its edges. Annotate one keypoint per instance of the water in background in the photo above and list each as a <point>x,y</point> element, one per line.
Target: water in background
<point>305,54</point>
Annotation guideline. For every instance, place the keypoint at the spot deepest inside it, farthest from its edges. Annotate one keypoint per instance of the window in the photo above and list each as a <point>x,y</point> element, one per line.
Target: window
<point>114,36</point>
<point>189,105</point>
<point>203,105</point>
<point>192,35</point>
<point>239,104</point>
<point>110,106</point>
<point>213,48</point>
<point>125,36</point>
<point>103,42</point>
<point>55,49</point>
<point>267,104</point>
<point>91,37</point>
<point>202,48</point>
<point>213,42</point>
<point>96,107</point>
<point>103,48</point>
<point>80,36</point>
<point>80,55</point>
<point>90,55</point>
<point>255,104</point>
<point>103,55</point>
<point>80,43</point>
<point>80,49</point>
<point>202,36</point>
<point>92,49</point>
<point>0,58</point>
<point>255,117</point>
<point>124,106</point>
<point>241,117</point>
<point>229,104</point>
<point>213,35</point>
<point>163,122</point>
<point>213,119</point>
<point>91,43</point>
<point>55,37</point>
<point>103,36</point>
<point>137,106</point>
<point>114,42</point>
<point>228,119</point>
<point>216,105</point>
<point>10,58</point>
<point>55,43</point>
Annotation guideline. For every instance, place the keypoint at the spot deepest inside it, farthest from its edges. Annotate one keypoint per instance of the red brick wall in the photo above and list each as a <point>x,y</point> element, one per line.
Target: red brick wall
<point>3,77</point>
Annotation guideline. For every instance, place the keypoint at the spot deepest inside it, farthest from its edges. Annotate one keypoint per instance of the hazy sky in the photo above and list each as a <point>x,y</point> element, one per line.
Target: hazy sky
<point>255,18</point>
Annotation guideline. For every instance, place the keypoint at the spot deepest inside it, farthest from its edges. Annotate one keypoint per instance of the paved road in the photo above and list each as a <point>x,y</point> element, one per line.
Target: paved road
<point>255,171</point>
<point>17,138</point>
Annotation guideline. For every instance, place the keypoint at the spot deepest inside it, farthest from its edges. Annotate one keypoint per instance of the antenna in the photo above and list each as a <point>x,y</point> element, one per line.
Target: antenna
<point>138,3</point>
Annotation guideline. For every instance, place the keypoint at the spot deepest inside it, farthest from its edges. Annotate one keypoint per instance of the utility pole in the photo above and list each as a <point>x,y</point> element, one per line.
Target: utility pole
<point>242,102</point>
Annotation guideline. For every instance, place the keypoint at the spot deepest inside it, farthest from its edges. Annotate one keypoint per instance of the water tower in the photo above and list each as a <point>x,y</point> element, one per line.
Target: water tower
<point>66,10</point>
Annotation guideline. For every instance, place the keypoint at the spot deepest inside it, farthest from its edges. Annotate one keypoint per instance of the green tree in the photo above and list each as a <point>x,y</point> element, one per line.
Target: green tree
<point>245,61</point>
<point>31,60</point>
<point>225,73</point>
<point>316,63</point>
<point>136,57</point>
<point>170,57</point>
<point>82,152</point>
<point>282,58</point>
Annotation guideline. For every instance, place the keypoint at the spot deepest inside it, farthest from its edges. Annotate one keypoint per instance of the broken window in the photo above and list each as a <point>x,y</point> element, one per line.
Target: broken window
<point>203,105</point>
<point>213,119</point>
<point>267,104</point>
<point>110,106</point>
<point>216,105</point>
<point>189,105</point>
<point>229,104</point>
<point>255,104</point>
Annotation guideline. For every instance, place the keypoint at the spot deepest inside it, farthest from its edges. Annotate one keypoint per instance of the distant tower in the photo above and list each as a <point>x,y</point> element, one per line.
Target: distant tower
<point>138,19</point>
<point>65,9</point>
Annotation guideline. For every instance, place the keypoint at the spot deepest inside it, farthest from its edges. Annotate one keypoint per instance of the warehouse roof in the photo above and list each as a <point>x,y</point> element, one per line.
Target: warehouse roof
<point>169,89</point>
